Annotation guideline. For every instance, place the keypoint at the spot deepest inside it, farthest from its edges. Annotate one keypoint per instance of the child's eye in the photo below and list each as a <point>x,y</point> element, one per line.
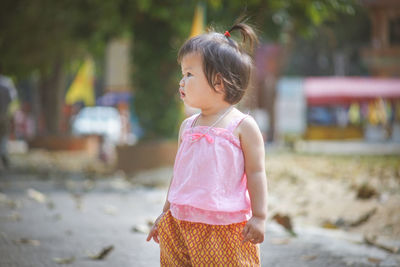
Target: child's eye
<point>188,74</point>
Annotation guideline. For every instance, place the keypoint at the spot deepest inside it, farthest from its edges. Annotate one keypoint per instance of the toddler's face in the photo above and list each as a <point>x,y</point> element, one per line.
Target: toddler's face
<point>194,89</point>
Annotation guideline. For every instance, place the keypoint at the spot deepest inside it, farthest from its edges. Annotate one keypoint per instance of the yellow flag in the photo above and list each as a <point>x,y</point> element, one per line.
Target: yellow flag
<point>198,20</point>
<point>82,88</point>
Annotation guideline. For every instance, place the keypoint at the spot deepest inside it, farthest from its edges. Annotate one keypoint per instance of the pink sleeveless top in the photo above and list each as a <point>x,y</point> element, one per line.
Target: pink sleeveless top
<point>209,183</point>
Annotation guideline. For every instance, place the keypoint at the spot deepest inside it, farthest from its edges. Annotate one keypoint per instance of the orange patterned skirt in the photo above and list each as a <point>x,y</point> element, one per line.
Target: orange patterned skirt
<point>185,243</point>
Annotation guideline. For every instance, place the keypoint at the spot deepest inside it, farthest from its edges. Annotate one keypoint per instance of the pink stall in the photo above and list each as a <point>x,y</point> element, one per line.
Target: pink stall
<point>352,108</point>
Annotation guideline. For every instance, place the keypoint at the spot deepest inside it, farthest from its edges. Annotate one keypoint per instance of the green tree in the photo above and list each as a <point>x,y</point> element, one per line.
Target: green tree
<point>156,75</point>
<point>45,37</point>
<point>160,27</point>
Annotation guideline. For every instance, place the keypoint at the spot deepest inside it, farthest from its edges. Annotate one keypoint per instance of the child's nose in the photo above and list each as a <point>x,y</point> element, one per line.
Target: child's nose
<point>182,82</point>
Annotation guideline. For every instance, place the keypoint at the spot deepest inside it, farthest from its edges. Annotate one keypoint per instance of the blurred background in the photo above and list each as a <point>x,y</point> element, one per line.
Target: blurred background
<point>105,74</point>
<point>89,90</point>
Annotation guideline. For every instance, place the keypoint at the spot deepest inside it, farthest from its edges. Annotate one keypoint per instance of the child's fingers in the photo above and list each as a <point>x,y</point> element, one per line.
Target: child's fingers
<point>155,238</point>
<point>260,239</point>
<point>151,234</point>
<point>253,237</point>
<point>256,237</point>
<point>245,230</point>
<point>257,240</point>
<point>155,235</point>
<point>247,236</point>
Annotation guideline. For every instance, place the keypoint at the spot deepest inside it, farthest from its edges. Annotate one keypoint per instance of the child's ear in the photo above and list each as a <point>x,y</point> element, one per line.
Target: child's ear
<point>219,83</point>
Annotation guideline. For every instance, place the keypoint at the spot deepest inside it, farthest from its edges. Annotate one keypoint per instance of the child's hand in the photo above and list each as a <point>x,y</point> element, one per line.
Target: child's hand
<point>154,231</point>
<point>253,231</point>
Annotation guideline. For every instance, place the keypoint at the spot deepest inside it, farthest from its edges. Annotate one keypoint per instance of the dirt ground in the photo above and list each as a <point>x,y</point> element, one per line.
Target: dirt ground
<point>314,190</point>
<point>356,194</point>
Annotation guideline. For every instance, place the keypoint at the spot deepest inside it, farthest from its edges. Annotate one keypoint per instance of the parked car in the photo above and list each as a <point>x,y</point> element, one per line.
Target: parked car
<point>104,121</point>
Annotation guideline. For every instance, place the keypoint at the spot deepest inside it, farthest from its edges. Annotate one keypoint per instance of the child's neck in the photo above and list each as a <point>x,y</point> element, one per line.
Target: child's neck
<point>215,111</point>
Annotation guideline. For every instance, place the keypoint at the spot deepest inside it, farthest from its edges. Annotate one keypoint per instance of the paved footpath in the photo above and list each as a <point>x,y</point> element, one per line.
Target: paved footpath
<point>79,218</point>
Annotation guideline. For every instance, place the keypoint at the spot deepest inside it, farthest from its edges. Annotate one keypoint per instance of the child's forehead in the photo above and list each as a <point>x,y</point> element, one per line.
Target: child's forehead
<point>191,60</point>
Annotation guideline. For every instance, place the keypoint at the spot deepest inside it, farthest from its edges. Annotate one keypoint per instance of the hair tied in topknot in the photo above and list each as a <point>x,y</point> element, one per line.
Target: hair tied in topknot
<point>227,34</point>
<point>249,38</point>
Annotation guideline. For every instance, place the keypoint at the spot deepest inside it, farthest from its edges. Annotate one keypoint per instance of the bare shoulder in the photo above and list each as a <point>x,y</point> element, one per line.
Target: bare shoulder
<point>187,120</point>
<point>248,124</point>
<point>184,125</point>
<point>248,130</point>
<point>184,122</point>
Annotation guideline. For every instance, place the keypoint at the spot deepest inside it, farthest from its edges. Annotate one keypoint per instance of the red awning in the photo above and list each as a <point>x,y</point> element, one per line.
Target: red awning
<point>343,90</point>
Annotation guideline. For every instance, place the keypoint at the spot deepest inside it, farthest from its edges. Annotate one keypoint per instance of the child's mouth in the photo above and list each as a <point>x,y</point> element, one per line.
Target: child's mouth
<point>182,94</point>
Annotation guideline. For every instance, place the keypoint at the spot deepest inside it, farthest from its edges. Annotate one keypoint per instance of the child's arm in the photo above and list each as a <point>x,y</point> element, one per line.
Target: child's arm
<point>254,161</point>
<point>153,231</point>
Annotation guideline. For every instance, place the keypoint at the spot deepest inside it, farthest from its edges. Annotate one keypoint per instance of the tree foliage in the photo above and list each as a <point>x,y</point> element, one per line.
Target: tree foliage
<point>46,36</point>
<point>34,33</point>
<point>158,32</point>
<point>41,35</point>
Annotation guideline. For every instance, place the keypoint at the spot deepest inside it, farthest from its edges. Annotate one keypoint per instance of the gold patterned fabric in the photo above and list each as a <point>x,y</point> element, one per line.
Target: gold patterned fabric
<point>185,243</point>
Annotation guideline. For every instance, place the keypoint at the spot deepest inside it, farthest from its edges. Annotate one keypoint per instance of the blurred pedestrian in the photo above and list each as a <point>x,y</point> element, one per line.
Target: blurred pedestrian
<point>216,207</point>
<point>7,94</point>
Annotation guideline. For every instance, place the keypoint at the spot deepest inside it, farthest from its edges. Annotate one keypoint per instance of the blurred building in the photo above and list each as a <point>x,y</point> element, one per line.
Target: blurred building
<point>383,56</point>
<point>291,106</point>
<point>363,108</point>
<point>118,83</point>
<point>117,69</point>
<point>350,107</point>
<point>341,108</point>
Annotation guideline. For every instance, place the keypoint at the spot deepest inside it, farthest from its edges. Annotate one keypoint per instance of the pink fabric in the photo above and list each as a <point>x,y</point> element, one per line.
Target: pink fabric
<point>198,136</point>
<point>209,183</point>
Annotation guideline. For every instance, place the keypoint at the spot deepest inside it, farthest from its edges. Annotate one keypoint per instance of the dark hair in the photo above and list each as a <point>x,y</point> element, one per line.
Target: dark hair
<point>224,56</point>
